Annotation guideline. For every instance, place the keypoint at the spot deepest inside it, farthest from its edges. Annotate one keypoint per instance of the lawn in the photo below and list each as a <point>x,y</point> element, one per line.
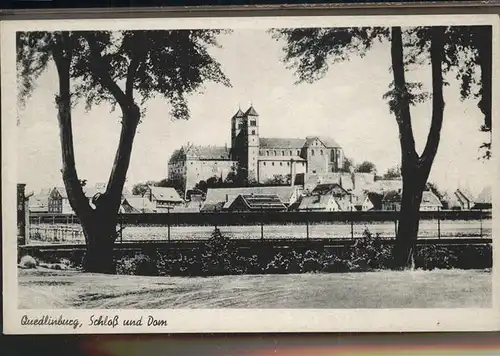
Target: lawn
<point>49,289</point>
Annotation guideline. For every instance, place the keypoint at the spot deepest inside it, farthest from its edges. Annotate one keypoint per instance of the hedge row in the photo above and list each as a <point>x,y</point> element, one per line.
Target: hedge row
<point>369,253</point>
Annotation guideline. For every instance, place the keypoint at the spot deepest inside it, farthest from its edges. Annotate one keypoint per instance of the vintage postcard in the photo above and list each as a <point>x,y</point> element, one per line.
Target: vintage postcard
<point>250,174</point>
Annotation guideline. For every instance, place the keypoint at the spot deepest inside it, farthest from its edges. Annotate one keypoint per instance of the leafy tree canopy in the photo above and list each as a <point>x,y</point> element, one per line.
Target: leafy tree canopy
<point>366,167</point>
<point>110,66</point>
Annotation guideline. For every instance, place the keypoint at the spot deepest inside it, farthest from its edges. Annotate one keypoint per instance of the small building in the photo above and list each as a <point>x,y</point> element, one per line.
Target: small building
<point>392,201</point>
<point>136,204</point>
<point>163,198</point>
<point>58,202</point>
<point>327,197</point>
<point>257,203</point>
<point>287,194</point>
<point>465,199</point>
<point>430,202</point>
<point>368,201</point>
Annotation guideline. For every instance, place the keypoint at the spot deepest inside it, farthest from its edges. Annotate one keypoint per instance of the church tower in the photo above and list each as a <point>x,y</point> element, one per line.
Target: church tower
<point>252,144</point>
<point>237,123</point>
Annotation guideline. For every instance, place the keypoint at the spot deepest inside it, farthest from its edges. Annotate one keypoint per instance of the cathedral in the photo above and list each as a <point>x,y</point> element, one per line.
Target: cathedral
<point>259,159</point>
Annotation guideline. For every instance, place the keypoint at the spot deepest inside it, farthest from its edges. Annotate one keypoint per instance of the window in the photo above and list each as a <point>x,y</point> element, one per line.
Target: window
<point>312,152</point>
<point>253,123</point>
<point>282,153</point>
<point>287,163</point>
<point>291,154</point>
<point>267,153</point>
<point>274,153</point>
<point>253,132</point>
<point>281,163</point>
<point>298,153</point>
<point>321,152</point>
<point>263,163</point>
<point>272,164</point>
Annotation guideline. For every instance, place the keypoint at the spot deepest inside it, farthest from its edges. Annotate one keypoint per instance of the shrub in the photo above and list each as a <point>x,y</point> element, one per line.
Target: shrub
<point>183,265</point>
<point>279,264</point>
<point>218,255</point>
<point>312,261</point>
<point>370,253</point>
<point>140,264</point>
<point>434,256</point>
<point>334,264</point>
<point>28,262</point>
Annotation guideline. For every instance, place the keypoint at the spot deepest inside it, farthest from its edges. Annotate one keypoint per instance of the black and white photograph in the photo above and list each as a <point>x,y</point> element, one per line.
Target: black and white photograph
<point>294,170</point>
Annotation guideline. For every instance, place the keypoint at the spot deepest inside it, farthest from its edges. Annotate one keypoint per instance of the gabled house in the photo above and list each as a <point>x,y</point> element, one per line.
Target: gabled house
<point>430,202</point>
<point>392,201</point>
<point>58,202</point>
<point>368,201</point>
<point>163,198</point>
<point>327,197</point>
<point>225,196</point>
<point>256,203</point>
<point>484,199</point>
<point>465,199</point>
<point>136,204</point>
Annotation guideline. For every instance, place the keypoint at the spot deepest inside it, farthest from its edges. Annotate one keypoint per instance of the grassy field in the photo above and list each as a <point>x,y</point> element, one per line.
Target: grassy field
<point>43,289</point>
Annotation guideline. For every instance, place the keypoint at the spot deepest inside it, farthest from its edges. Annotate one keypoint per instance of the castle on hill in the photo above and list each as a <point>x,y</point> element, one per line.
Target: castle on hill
<point>259,159</point>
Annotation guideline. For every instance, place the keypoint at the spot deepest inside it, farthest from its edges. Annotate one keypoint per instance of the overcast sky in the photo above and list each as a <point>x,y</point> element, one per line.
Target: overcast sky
<point>346,105</point>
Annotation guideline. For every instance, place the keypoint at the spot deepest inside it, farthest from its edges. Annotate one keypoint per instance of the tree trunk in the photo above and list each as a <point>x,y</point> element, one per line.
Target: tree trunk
<point>100,232</point>
<point>409,218</point>
<point>99,224</point>
<point>415,169</point>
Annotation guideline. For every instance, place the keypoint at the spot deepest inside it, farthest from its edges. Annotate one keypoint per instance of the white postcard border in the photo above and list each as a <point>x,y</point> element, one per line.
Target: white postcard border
<point>228,320</point>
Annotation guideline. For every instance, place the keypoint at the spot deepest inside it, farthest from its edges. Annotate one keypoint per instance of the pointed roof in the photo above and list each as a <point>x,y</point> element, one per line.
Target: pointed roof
<point>430,199</point>
<point>239,113</point>
<point>251,111</point>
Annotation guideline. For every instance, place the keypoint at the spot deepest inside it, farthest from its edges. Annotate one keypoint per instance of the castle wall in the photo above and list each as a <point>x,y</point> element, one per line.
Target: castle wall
<point>318,158</point>
<point>269,168</point>
<point>197,170</point>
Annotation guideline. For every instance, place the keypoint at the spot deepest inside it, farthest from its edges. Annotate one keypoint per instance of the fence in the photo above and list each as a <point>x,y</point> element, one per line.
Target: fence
<point>263,226</point>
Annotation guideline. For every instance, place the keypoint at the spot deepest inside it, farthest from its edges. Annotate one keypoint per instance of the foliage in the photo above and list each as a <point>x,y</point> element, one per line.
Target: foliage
<point>279,179</point>
<point>467,54</point>
<point>139,265</point>
<point>370,253</point>
<point>169,63</point>
<point>367,254</point>
<point>435,256</point>
<point>393,173</point>
<point>311,51</point>
<point>366,167</point>
<point>218,255</point>
<point>141,188</point>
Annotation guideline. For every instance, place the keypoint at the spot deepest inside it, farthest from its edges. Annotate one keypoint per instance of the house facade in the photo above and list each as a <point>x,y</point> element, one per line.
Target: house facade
<point>163,198</point>
<point>258,158</point>
<point>58,202</point>
<point>327,197</point>
<point>392,201</point>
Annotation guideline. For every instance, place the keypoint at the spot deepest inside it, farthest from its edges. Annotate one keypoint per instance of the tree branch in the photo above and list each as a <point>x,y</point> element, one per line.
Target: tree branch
<point>129,84</point>
<point>433,138</point>
<point>402,109</point>
<point>101,69</point>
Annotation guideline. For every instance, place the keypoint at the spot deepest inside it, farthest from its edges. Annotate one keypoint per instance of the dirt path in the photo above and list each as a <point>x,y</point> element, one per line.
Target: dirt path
<point>389,289</point>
